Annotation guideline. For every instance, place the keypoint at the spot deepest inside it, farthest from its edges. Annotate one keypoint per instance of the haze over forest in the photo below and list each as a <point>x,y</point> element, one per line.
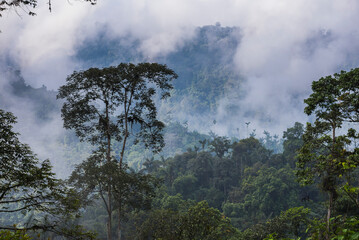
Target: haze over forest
<point>272,51</point>
<point>256,140</point>
<point>268,51</point>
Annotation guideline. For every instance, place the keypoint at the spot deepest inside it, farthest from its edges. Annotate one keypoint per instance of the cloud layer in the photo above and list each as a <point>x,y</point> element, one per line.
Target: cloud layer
<point>285,45</point>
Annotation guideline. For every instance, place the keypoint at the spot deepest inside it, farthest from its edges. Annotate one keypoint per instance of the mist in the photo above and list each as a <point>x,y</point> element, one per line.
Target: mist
<point>283,47</point>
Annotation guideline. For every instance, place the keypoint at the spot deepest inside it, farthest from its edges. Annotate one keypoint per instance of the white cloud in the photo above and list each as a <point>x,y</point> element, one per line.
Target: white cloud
<point>284,45</point>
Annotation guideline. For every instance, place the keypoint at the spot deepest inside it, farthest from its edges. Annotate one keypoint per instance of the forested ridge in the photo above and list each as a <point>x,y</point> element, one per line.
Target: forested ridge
<point>138,177</point>
<point>203,64</point>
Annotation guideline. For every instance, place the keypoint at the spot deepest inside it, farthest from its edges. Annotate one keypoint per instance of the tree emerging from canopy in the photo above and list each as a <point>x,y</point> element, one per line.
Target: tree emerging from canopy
<point>116,103</point>
<point>329,154</point>
<point>104,104</point>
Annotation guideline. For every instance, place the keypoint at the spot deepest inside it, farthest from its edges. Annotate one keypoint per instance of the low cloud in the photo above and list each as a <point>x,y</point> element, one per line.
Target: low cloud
<point>284,46</point>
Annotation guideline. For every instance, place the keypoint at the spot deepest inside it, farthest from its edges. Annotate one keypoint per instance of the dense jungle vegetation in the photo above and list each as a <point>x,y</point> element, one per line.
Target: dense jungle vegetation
<point>135,177</point>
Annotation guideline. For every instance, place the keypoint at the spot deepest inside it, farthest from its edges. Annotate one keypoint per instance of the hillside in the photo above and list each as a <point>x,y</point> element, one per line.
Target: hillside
<point>41,106</point>
<point>16,92</point>
<point>203,64</point>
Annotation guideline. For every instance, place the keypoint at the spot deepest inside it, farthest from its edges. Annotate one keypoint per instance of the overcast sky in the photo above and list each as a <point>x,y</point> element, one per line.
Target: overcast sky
<point>271,51</point>
<point>285,45</point>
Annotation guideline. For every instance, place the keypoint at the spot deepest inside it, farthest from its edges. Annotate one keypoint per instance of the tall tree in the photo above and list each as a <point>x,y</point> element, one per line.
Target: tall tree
<point>247,152</point>
<point>135,190</point>
<point>327,154</point>
<point>220,146</point>
<point>349,82</point>
<point>197,222</point>
<point>111,104</point>
<point>293,141</point>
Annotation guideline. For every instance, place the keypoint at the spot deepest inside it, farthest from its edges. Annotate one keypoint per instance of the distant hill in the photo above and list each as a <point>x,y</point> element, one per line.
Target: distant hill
<point>204,66</point>
<point>203,63</point>
<point>42,101</point>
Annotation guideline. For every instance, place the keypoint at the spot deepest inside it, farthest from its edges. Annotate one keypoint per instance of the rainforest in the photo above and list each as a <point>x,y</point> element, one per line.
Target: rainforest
<point>179,121</point>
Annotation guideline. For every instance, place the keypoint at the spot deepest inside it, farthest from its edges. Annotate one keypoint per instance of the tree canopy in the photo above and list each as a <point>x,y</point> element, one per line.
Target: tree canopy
<point>115,103</point>
<point>29,187</point>
<point>328,154</point>
<point>107,103</point>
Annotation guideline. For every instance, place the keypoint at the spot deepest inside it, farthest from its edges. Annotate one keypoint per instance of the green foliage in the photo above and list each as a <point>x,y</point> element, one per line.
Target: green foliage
<point>28,186</point>
<point>178,140</point>
<point>91,178</point>
<point>245,179</point>
<point>122,89</point>
<point>249,151</point>
<point>14,235</point>
<point>203,222</point>
<point>241,184</point>
<point>349,82</point>
<point>347,203</point>
<point>261,195</point>
<point>197,222</point>
<point>272,142</point>
<point>185,185</point>
<point>161,224</point>
<point>349,229</point>
<point>292,142</point>
<point>202,168</point>
<point>220,146</point>
<point>175,203</point>
<point>342,228</point>
<point>30,196</point>
<point>78,232</point>
<point>290,223</point>
<point>131,191</point>
<point>327,157</point>
<point>109,104</point>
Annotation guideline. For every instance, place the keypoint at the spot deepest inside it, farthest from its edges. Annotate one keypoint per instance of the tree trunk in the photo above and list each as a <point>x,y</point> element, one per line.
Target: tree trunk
<point>119,223</point>
<point>127,106</point>
<point>109,223</point>
<point>119,231</point>
<point>109,190</point>
<point>331,194</point>
<point>330,207</point>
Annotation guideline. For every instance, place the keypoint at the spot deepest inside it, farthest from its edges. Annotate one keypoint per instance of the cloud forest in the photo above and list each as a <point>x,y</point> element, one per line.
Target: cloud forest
<point>179,120</point>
